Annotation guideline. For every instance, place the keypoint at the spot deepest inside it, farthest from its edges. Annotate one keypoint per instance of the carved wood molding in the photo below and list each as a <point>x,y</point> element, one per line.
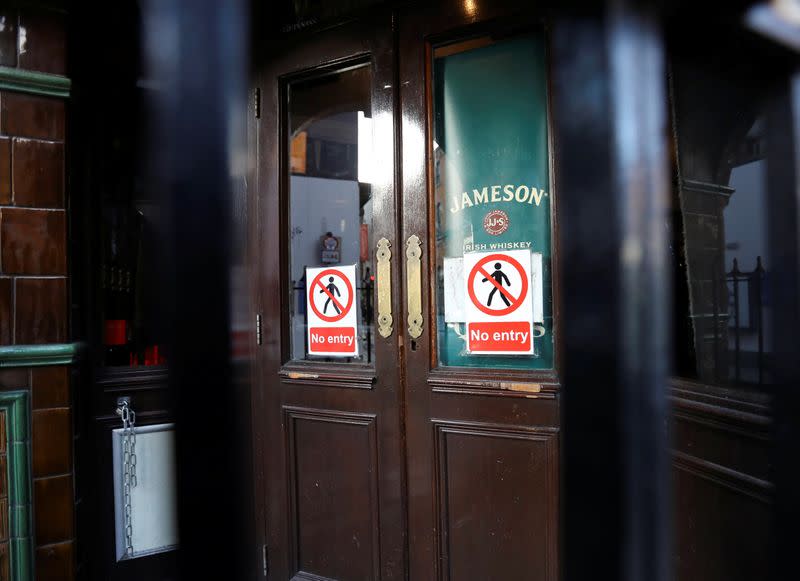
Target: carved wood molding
<point>725,406</point>
<point>506,383</point>
<point>330,376</point>
<point>740,416</point>
<point>732,479</point>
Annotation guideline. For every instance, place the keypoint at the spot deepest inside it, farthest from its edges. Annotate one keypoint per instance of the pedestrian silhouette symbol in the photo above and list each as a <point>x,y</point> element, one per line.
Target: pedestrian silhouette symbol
<point>333,290</point>
<point>498,276</point>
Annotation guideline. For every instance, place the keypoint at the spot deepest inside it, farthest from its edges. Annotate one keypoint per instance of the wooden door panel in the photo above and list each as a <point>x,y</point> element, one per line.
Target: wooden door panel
<point>517,410</point>
<point>333,492</point>
<point>493,504</point>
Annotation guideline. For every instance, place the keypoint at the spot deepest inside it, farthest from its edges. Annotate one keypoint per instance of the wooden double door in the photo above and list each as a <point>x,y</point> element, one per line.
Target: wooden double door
<point>399,143</point>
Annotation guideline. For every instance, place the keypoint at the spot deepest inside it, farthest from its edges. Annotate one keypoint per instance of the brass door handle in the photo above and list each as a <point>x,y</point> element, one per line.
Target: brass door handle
<point>414,285</point>
<point>384,259</point>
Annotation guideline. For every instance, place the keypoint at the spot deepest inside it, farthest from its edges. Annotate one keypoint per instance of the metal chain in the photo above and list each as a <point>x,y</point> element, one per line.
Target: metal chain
<point>128,470</point>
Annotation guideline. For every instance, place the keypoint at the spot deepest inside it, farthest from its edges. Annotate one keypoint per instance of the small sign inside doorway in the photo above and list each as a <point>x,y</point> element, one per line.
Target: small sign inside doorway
<point>331,249</point>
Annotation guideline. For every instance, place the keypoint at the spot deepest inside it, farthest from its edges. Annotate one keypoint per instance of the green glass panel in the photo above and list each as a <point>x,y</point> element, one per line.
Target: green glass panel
<point>492,175</point>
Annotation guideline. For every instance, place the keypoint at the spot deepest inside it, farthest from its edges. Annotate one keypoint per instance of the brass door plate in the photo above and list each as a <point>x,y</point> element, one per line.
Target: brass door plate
<point>414,283</point>
<point>384,259</point>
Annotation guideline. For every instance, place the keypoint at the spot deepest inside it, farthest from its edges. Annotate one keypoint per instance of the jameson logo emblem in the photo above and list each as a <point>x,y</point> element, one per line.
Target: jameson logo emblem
<point>495,222</point>
<point>491,194</point>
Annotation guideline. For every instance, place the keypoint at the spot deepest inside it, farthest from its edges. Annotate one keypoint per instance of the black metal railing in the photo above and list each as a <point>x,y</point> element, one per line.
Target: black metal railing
<point>753,322</point>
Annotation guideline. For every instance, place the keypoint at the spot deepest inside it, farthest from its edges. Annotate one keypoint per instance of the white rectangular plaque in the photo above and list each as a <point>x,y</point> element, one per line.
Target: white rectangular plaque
<point>154,519</point>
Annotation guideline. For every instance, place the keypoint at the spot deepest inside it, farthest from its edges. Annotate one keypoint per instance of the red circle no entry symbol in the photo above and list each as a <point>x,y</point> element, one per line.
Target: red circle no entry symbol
<point>514,302</point>
<point>318,286</point>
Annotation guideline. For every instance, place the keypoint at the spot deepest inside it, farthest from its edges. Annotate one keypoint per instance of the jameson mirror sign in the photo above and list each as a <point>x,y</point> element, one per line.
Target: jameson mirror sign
<point>493,204</point>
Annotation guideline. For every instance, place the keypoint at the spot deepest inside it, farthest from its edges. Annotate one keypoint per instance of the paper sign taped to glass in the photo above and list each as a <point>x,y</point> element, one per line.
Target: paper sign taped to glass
<point>454,289</point>
<point>332,318</point>
<point>494,301</point>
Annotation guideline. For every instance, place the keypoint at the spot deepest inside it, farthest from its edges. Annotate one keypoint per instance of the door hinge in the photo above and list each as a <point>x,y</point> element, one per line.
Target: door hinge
<point>257,102</point>
<point>259,336</point>
<point>264,559</point>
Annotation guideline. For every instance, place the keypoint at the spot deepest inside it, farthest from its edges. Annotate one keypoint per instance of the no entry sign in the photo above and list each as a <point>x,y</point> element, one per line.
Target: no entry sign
<point>498,306</point>
<point>332,318</point>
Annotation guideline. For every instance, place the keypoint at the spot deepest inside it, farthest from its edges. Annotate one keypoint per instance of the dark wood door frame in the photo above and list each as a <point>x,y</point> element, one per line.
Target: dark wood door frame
<point>417,394</point>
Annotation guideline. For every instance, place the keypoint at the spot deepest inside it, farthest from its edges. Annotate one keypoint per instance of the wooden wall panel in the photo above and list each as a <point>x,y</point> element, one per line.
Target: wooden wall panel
<point>721,483</point>
<point>722,533</point>
<point>505,520</point>
<point>333,489</point>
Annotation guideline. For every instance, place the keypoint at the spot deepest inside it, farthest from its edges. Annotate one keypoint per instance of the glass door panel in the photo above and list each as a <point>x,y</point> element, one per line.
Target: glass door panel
<point>330,210</point>
<point>492,200</point>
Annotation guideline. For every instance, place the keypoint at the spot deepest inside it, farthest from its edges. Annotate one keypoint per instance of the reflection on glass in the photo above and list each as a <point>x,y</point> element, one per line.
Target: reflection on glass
<point>129,295</point>
<point>330,199</point>
<point>722,263</point>
<point>128,276</point>
<point>492,184</point>
<point>724,273</point>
